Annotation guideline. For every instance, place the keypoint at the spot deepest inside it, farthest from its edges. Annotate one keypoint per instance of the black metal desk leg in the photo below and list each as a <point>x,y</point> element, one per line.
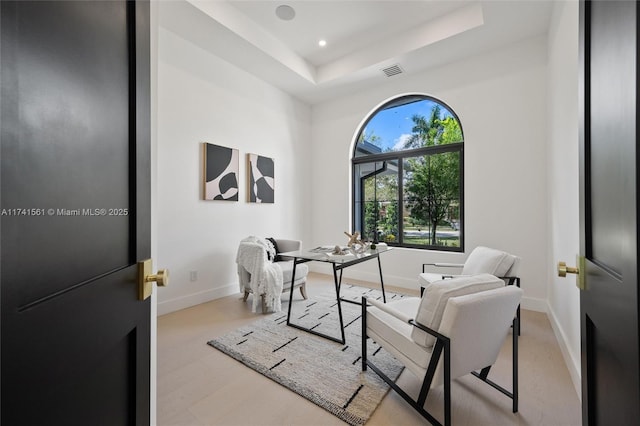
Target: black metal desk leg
<point>518,313</point>
<point>384,296</point>
<point>293,278</point>
<point>296,261</point>
<point>338,283</point>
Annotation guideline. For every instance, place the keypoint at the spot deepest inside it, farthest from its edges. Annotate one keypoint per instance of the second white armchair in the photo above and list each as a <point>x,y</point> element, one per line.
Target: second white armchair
<point>482,260</point>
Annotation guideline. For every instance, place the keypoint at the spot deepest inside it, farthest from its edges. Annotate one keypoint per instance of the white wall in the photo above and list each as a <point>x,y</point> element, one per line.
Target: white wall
<point>204,99</point>
<point>501,100</point>
<point>564,297</point>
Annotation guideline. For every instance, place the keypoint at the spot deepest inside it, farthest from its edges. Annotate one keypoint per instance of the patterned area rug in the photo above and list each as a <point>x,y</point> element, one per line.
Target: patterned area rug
<point>326,373</point>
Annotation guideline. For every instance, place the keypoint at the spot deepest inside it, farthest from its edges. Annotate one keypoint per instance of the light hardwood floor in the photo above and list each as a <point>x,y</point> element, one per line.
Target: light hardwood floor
<point>199,385</point>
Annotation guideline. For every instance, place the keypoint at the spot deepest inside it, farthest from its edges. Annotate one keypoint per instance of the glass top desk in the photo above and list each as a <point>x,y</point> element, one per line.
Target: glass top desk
<point>338,262</point>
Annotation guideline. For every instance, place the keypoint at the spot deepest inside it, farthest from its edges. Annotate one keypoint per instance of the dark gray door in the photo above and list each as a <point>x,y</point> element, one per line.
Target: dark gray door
<point>75,212</point>
<point>609,212</point>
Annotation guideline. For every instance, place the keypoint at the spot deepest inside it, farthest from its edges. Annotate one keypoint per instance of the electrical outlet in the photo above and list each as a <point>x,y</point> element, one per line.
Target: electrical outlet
<point>194,276</point>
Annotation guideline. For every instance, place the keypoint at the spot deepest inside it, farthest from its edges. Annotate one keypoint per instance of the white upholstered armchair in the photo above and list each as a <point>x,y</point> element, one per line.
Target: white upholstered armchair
<point>482,260</point>
<point>456,328</point>
<point>263,272</point>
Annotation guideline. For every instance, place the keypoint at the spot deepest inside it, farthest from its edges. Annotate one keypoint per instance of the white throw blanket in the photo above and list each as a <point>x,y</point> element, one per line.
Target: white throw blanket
<point>259,274</point>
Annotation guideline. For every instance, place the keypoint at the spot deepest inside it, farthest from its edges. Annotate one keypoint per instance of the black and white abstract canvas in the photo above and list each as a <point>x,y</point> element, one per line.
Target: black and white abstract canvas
<point>221,170</point>
<point>261,179</point>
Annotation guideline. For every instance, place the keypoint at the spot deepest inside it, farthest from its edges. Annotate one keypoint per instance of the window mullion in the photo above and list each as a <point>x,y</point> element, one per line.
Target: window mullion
<point>429,150</point>
<point>400,201</point>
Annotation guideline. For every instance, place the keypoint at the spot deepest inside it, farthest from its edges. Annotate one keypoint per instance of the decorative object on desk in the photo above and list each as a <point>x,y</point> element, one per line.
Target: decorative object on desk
<point>340,257</point>
<point>359,248</point>
<point>296,359</point>
<point>355,244</point>
<point>365,247</point>
<point>353,238</point>
<point>260,180</point>
<point>338,251</point>
<point>221,168</point>
<point>378,247</point>
<point>323,249</point>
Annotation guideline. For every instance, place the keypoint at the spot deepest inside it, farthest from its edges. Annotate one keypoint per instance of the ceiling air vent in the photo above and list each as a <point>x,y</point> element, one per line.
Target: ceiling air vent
<point>392,70</point>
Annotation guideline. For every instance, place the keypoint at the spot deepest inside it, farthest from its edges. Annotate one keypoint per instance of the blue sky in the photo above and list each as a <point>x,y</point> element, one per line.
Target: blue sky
<point>394,125</point>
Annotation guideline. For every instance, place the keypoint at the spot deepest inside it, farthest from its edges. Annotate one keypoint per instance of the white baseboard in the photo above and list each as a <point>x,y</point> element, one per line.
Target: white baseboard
<point>572,365</point>
<point>194,299</point>
<point>534,304</point>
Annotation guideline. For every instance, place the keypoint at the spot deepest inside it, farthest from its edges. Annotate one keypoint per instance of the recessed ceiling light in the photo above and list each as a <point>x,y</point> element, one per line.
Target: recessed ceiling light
<point>285,12</point>
<point>322,43</point>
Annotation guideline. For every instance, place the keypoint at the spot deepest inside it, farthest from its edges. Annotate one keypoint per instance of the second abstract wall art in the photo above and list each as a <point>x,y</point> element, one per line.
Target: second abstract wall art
<point>260,171</point>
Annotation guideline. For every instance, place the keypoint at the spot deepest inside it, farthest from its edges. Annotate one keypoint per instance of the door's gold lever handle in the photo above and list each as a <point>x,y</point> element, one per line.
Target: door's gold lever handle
<point>563,269</point>
<point>161,278</point>
<point>579,270</point>
<point>146,279</point>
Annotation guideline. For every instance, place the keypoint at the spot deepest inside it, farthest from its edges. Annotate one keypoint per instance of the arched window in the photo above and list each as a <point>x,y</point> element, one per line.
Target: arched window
<point>408,165</point>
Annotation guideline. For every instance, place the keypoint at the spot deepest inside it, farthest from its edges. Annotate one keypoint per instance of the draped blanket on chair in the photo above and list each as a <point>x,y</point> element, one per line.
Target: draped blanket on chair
<point>258,273</point>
